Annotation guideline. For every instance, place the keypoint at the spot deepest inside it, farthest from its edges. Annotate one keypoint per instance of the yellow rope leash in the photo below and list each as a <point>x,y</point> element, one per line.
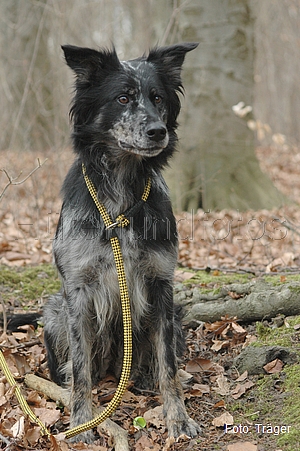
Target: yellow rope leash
<point>125,302</point>
<point>126,367</point>
<point>22,401</point>
<point>121,221</point>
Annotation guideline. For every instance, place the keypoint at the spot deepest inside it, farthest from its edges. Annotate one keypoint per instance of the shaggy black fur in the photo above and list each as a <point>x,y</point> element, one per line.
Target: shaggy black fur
<point>124,116</point>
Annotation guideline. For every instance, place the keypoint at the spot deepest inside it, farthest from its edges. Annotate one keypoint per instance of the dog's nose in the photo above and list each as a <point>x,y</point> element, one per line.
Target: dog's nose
<point>156,131</point>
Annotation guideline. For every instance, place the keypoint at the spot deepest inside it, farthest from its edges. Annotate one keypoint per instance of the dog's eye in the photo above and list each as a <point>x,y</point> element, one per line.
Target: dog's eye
<point>123,99</point>
<point>157,100</point>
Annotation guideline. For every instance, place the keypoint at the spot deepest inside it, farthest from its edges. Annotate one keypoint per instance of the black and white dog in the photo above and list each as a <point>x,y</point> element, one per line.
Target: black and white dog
<point>124,120</point>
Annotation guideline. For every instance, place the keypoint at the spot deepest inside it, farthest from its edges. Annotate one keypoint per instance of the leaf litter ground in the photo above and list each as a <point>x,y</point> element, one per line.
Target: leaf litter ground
<point>228,242</point>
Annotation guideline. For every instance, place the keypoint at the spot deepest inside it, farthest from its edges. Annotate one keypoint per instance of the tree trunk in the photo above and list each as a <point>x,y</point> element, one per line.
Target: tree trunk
<point>216,167</point>
<point>277,94</point>
<point>26,68</point>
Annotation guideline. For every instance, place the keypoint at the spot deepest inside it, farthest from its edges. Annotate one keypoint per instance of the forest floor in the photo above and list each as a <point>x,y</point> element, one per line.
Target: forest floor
<point>219,247</point>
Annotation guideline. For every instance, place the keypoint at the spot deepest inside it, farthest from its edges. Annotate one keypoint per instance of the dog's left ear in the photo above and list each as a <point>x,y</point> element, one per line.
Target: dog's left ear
<point>169,60</point>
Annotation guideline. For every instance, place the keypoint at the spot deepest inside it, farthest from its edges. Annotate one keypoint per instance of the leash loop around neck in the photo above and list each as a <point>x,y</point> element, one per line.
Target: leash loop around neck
<point>123,220</point>
<point>125,303</point>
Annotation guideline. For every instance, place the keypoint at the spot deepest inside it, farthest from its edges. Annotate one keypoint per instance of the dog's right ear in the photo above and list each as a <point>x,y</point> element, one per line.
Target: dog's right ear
<point>86,63</point>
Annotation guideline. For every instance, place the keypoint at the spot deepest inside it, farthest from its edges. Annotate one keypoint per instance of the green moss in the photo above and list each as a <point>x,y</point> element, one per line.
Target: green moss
<point>216,278</point>
<point>294,288</point>
<point>242,410</point>
<point>278,279</point>
<point>284,411</point>
<point>213,278</point>
<point>277,336</point>
<point>263,332</point>
<point>274,398</point>
<point>22,285</point>
<point>291,409</point>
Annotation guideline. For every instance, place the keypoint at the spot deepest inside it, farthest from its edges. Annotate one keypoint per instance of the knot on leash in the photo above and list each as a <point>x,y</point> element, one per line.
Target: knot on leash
<point>123,220</point>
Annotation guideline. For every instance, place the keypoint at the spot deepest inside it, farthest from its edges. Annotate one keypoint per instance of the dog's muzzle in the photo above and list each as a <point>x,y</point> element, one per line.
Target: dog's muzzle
<point>155,139</point>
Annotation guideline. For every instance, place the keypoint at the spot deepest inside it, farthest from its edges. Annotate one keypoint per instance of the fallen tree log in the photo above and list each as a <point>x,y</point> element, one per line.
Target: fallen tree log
<point>61,395</point>
<point>253,301</point>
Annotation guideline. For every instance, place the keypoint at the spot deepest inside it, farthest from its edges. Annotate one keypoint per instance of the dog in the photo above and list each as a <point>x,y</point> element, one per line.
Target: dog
<point>124,116</point>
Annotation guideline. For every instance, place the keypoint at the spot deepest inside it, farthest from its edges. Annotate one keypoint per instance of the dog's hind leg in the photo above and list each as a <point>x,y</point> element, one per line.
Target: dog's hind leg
<point>56,338</point>
<point>69,347</point>
<point>177,420</point>
<point>81,343</point>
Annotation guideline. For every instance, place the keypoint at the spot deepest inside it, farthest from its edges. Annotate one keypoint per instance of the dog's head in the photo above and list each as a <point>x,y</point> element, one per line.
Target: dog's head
<point>132,106</point>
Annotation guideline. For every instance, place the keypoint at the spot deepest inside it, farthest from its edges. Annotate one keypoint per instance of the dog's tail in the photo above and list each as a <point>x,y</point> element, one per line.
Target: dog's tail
<point>22,319</point>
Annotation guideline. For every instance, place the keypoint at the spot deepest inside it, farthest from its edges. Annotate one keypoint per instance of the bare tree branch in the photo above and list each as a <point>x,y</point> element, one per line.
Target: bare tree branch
<point>15,181</point>
<point>172,21</point>
<point>4,440</point>
<point>289,226</point>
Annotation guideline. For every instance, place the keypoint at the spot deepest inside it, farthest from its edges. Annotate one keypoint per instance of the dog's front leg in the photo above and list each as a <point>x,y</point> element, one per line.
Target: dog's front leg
<point>177,420</point>
<point>80,353</point>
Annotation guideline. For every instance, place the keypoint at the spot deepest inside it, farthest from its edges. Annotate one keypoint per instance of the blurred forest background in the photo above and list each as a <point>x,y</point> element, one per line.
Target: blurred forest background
<point>239,126</point>
<point>234,183</point>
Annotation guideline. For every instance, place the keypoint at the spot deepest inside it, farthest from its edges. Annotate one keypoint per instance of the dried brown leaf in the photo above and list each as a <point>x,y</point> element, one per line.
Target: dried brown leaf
<point>237,328</point>
<point>216,327</point>
<point>18,429</point>
<point>34,398</point>
<point>145,443</point>
<point>155,417</point>
<point>2,389</point>
<point>242,446</point>
<point>240,389</point>
<point>203,387</point>
<point>184,376</point>
<point>242,377</point>
<point>199,365</point>
<point>285,260</point>
<point>32,435</point>
<point>169,442</point>
<point>22,364</point>
<point>47,416</point>
<point>219,404</point>
<point>219,344</point>
<point>198,390</point>
<point>181,276</point>
<point>274,367</point>
<point>225,418</point>
<point>235,295</point>
<point>223,385</point>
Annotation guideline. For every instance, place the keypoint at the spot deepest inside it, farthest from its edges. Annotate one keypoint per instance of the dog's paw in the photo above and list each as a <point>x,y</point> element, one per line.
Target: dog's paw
<point>187,427</point>
<point>85,437</point>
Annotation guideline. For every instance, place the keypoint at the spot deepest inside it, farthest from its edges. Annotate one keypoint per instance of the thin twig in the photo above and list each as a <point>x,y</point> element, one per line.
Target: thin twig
<point>14,180</point>
<point>289,225</point>
<point>4,316</point>
<point>26,345</point>
<point>175,12</point>
<point>4,440</point>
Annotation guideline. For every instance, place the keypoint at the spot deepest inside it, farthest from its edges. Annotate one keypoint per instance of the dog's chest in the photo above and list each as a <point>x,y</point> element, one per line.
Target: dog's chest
<point>89,265</point>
